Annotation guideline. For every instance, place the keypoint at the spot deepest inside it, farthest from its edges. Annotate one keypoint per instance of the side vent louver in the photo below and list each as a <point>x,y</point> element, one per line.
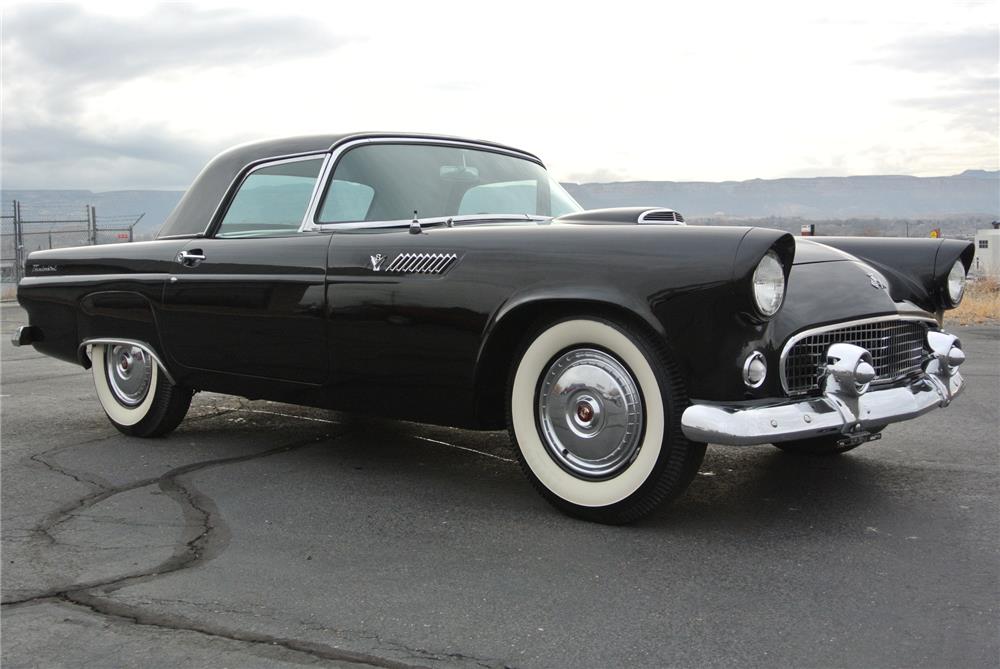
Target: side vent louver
<point>421,263</point>
<point>661,216</point>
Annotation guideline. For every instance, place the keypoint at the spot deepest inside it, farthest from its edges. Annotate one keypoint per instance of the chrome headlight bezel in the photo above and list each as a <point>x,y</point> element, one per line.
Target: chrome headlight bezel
<point>768,285</point>
<point>955,283</point>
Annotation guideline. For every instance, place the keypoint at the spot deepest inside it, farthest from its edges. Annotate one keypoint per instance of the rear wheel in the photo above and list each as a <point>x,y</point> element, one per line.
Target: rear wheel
<point>138,400</point>
<point>594,409</point>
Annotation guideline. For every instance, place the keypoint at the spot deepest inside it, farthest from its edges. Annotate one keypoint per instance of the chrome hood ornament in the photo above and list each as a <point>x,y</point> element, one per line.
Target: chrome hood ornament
<point>876,282</point>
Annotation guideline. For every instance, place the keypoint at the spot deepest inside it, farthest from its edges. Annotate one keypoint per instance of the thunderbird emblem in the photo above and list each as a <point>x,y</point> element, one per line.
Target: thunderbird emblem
<point>377,260</point>
<point>876,282</point>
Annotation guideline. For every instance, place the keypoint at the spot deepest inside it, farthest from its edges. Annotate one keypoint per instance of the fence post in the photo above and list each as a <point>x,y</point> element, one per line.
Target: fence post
<point>92,224</point>
<point>132,227</point>
<point>18,243</point>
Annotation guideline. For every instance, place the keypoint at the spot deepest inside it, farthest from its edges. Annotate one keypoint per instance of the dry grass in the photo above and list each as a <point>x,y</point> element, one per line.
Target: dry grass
<point>981,303</point>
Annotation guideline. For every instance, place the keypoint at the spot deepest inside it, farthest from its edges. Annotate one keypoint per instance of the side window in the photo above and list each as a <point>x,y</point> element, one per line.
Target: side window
<point>272,200</point>
<point>346,201</point>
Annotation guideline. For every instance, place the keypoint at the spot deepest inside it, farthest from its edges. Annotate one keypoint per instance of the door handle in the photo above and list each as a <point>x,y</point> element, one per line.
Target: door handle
<point>190,258</point>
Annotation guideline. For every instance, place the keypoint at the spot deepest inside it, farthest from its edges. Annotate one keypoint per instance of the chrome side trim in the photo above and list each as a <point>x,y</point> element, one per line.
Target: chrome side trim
<point>310,223</point>
<point>87,279</point>
<point>796,338</point>
<point>85,355</point>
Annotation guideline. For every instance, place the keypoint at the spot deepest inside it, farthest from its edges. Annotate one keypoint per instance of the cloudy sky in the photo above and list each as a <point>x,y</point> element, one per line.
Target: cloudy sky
<point>137,95</point>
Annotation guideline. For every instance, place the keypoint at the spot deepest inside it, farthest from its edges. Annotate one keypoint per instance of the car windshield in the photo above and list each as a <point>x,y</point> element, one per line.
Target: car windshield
<point>388,182</point>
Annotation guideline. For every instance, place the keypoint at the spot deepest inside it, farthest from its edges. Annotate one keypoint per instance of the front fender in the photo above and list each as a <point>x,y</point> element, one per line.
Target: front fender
<point>917,269</point>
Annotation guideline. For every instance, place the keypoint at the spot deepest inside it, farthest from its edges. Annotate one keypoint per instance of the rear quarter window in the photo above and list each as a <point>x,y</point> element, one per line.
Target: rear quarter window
<point>271,200</point>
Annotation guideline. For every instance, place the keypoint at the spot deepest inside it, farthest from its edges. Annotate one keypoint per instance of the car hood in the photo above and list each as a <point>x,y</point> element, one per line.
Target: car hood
<point>808,251</point>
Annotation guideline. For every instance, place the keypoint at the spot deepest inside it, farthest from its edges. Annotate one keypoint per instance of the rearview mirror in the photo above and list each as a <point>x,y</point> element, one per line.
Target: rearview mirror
<point>459,173</point>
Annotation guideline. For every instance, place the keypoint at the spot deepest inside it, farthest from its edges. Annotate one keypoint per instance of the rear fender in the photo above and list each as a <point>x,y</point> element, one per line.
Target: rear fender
<point>119,315</point>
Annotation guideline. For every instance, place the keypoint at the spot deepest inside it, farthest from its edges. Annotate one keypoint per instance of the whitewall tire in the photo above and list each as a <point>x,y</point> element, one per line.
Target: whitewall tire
<point>594,409</point>
<point>135,395</point>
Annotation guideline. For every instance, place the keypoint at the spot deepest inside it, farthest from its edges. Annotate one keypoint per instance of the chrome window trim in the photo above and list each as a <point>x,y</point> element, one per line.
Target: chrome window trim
<point>309,223</point>
<point>215,221</point>
<point>796,338</point>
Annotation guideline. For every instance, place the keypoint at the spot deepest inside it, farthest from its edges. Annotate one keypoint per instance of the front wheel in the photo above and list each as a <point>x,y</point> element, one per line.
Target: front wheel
<point>138,400</point>
<point>594,408</point>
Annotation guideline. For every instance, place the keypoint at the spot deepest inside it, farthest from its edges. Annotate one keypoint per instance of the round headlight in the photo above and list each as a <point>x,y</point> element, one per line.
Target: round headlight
<point>769,284</point>
<point>956,283</point>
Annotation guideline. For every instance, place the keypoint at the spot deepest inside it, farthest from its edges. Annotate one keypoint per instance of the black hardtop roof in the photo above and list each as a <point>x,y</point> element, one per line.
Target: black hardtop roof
<point>194,211</point>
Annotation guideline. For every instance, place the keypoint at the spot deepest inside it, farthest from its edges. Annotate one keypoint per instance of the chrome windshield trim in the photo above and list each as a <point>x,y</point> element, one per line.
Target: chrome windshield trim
<point>796,338</point>
<point>309,223</point>
<point>127,342</point>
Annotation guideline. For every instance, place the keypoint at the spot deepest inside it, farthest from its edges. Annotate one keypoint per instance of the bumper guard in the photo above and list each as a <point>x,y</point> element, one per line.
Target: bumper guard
<point>839,411</point>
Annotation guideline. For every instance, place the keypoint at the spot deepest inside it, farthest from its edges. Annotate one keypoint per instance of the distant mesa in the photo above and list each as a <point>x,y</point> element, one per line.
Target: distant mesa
<point>973,193</point>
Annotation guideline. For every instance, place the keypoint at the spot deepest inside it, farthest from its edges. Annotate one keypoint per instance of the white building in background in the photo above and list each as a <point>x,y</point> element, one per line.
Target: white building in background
<point>987,259</point>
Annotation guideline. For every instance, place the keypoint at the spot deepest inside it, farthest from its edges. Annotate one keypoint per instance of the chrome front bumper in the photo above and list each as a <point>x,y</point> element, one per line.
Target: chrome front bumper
<point>833,413</point>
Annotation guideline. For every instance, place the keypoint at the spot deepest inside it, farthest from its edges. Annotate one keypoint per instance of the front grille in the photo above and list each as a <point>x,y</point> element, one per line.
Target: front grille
<point>897,349</point>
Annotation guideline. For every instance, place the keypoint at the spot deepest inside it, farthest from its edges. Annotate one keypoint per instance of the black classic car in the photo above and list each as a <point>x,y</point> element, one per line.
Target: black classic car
<point>453,281</point>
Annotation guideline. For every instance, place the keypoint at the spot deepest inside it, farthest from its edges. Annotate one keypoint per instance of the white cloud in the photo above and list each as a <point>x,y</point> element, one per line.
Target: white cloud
<point>630,90</point>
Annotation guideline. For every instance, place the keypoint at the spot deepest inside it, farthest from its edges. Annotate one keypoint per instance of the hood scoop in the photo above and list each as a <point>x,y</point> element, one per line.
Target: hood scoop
<point>662,216</point>
<point>624,216</point>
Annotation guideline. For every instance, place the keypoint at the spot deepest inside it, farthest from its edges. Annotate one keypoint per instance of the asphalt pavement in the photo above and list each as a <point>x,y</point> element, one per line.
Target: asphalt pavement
<point>261,535</point>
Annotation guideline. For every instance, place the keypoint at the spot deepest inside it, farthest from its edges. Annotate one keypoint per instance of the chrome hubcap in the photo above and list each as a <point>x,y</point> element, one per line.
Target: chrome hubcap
<point>590,413</point>
<point>129,370</point>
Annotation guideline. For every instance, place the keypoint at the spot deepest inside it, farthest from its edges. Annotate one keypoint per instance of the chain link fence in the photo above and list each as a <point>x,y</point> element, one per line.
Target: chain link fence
<point>24,229</point>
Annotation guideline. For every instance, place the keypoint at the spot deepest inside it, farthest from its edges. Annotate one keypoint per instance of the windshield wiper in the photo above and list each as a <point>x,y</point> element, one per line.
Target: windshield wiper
<point>476,218</point>
<point>418,224</point>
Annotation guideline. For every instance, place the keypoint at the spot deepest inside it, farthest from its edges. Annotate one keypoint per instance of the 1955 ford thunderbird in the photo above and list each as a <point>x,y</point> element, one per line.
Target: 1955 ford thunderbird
<point>453,281</point>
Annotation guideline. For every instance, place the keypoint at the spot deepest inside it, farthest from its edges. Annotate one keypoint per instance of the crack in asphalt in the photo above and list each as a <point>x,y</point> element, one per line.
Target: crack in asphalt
<point>104,489</point>
<point>195,507</point>
<point>136,616</point>
<point>202,541</point>
<point>65,472</point>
